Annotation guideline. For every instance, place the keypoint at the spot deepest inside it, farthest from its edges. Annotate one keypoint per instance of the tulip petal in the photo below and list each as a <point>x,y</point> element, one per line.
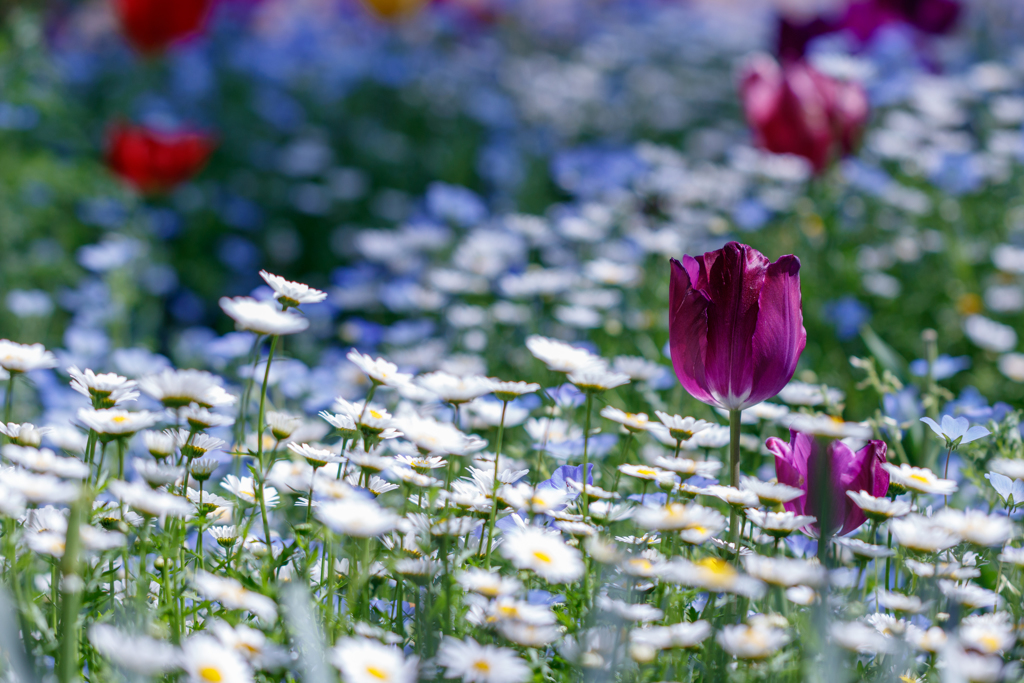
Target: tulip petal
<point>791,466</point>
<point>860,471</point>
<point>735,275</point>
<point>688,324</point>
<point>780,336</point>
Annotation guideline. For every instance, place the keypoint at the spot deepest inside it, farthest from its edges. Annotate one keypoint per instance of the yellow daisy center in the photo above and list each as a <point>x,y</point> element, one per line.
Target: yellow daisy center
<point>542,556</point>
<point>211,674</point>
<point>482,666</point>
<point>377,673</point>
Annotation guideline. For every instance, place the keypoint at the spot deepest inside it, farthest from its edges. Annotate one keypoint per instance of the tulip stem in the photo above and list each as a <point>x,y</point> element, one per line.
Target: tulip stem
<point>734,474</point>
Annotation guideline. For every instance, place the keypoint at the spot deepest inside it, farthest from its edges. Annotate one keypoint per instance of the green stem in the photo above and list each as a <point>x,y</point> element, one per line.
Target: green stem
<point>735,429</point>
<point>259,449</point>
<point>68,667</point>
<point>9,398</point>
<point>243,407</point>
<point>586,453</point>
<point>494,490</point>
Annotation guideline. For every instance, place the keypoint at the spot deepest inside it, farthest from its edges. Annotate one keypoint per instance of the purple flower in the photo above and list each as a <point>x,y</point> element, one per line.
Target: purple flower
<point>798,464</point>
<point>735,325</point>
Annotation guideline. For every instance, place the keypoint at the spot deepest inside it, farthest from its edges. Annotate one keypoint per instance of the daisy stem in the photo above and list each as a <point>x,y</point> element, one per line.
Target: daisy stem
<point>494,490</point>
<point>71,588</point>
<point>586,453</point>
<point>259,449</point>
<point>243,407</point>
<point>9,399</point>
<point>734,473</point>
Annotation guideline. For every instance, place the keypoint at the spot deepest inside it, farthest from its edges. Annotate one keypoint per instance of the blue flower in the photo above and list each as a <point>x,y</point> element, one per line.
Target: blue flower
<point>600,445</point>
<point>566,396</point>
<point>972,405</point>
<point>956,430</point>
<point>847,314</point>
<point>945,366</point>
<point>455,204</point>
<point>564,473</point>
<point>1010,490</point>
<point>903,406</point>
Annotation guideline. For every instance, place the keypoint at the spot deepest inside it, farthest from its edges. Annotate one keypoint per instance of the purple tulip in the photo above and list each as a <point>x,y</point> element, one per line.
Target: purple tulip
<point>735,326</point>
<point>797,464</point>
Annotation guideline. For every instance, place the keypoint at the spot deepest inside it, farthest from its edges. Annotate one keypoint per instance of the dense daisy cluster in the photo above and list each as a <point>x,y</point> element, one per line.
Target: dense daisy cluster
<point>499,438</point>
<point>494,529</point>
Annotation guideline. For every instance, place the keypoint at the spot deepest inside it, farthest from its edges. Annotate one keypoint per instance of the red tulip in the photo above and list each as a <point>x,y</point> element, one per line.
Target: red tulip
<point>153,25</point>
<point>794,109</point>
<point>735,325</point>
<point>798,463</point>
<point>153,161</point>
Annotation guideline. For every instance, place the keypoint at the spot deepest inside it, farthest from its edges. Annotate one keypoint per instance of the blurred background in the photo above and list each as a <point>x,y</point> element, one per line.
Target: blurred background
<point>460,173</point>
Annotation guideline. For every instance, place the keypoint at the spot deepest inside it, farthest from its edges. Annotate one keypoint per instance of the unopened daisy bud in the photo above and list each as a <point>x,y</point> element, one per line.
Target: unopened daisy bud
<point>203,468</point>
<point>283,425</point>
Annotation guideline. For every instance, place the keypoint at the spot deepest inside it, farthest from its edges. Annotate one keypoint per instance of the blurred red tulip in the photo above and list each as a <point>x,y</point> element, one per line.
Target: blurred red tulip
<point>153,25</point>
<point>794,109</point>
<point>864,18</point>
<point>153,161</point>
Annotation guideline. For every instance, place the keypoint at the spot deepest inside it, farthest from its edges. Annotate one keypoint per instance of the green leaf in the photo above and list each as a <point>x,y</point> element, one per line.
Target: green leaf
<point>885,354</point>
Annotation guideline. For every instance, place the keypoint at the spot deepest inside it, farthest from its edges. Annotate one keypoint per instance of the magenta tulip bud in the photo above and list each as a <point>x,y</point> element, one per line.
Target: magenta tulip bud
<point>736,329</point>
<point>797,464</point>
<point>794,109</point>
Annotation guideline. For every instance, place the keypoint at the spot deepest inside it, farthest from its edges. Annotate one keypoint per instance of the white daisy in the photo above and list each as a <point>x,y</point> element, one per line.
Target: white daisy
<point>879,509</point>
<point>770,493</point>
<point>746,641</point>
<point>508,391</point>
<point>105,390</point>
<point>475,663</point>
<point>454,389</point>
<point>357,517</point>
<point>634,422</point>
<point>362,660</point>
<point>138,654</point>
<point>543,553</point>
<point>150,502</point>
<point>561,357</point>
<point>179,388</point>
<point>262,317</point>
<point>244,489</point>
<point>597,378</point>
<point>15,357</point>
<point>113,422</point>
<point>233,595</point>
<point>292,294</point>
<point>207,660</point>
<point>379,370</point>
<point>919,479</point>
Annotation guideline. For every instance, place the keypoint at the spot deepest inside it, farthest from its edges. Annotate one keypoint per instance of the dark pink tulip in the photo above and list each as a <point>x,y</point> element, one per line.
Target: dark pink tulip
<point>736,328</point>
<point>794,109</point>
<point>797,464</point>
